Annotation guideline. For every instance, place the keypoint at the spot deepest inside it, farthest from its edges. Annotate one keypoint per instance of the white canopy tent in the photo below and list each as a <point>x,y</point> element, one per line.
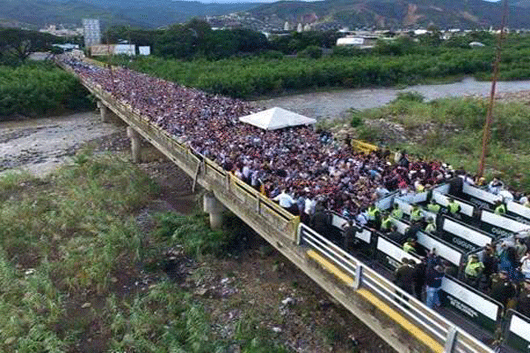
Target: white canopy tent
<point>276,118</point>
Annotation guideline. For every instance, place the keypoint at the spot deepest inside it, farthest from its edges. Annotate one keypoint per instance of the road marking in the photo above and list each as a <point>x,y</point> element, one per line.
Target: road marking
<point>330,267</point>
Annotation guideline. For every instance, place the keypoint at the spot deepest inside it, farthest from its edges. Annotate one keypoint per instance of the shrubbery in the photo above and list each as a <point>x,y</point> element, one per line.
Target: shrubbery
<point>39,89</point>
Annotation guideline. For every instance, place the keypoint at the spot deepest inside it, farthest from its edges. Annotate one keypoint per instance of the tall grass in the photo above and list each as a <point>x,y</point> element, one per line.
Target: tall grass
<point>65,240</point>
<point>451,130</point>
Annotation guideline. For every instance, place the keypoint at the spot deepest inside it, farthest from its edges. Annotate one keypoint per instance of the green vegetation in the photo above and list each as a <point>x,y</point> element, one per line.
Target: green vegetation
<point>451,130</point>
<point>401,62</point>
<point>36,89</point>
<point>16,44</point>
<point>71,249</point>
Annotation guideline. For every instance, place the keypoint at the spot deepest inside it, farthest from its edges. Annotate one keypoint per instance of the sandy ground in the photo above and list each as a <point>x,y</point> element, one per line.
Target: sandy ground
<point>39,146</point>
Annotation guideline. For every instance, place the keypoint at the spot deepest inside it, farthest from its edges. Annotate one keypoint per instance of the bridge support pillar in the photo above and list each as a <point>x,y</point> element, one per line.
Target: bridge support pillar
<point>215,208</point>
<point>135,143</point>
<point>104,112</point>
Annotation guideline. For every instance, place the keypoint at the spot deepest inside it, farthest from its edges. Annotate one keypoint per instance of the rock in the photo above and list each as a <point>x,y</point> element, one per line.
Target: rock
<point>86,305</point>
<point>10,341</point>
<point>288,301</point>
<point>201,292</point>
<point>276,329</point>
<point>114,280</point>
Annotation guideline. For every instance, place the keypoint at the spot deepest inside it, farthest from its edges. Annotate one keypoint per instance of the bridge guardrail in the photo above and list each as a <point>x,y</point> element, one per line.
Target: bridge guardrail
<point>442,331</point>
<point>275,215</point>
<point>445,335</point>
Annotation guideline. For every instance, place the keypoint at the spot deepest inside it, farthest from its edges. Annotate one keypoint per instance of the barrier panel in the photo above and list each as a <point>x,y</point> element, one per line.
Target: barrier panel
<point>386,202</point>
<point>518,212</point>
<point>363,146</point>
<point>471,303</point>
<point>407,209</point>
<point>517,335</point>
<point>500,226</point>
<point>463,236</point>
<point>390,253</point>
<point>445,251</point>
<point>415,198</point>
<point>443,200</point>
<point>442,189</point>
<point>479,197</point>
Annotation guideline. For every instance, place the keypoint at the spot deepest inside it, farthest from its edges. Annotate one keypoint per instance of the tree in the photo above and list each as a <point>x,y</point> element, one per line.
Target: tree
<point>16,45</point>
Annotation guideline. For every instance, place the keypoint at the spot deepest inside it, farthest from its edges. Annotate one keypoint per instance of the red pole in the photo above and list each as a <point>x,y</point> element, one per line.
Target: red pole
<point>489,114</point>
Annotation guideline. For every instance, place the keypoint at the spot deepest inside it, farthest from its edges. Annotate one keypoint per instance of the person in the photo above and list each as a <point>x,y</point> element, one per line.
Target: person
<point>397,212</point>
<point>523,299</point>
<point>362,217</point>
<point>431,226</point>
<point>525,265</point>
<point>320,220</point>
<point>284,199</point>
<point>495,186</point>
<point>374,216</point>
<point>410,246</point>
<point>473,271</point>
<point>386,223</point>
<point>502,290</point>
<point>453,207</point>
<point>415,214</point>
<point>404,275</point>
<point>433,206</point>
<point>419,277</point>
<point>349,229</point>
<point>500,208</point>
<point>433,282</point>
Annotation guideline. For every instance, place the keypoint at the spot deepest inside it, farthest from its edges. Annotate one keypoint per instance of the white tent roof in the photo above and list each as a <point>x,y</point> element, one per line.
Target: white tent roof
<point>276,118</point>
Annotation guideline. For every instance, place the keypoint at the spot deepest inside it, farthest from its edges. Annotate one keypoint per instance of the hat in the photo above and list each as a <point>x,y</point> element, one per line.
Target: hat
<point>527,280</point>
<point>503,272</point>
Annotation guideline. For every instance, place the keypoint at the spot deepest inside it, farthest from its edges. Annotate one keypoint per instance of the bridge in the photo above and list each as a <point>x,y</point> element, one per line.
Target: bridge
<point>403,322</point>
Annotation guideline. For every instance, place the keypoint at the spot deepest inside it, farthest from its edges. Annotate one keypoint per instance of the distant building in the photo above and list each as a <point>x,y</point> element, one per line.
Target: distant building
<point>92,32</point>
<point>113,49</point>
<point>61,31</point>
<point>361,42</point>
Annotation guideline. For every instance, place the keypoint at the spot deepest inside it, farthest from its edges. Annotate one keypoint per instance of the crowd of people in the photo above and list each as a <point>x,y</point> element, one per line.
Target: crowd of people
<point>305,171</point>
<point>305,164</point>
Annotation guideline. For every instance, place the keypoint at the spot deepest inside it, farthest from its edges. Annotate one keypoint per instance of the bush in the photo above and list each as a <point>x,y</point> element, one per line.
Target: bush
<point>410,97</point>
<point>39,89</point>
<point>311,52</point>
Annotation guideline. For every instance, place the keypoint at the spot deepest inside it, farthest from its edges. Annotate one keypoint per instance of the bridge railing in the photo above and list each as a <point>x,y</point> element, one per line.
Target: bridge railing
<point>358,275</point>
<point>247,196</point>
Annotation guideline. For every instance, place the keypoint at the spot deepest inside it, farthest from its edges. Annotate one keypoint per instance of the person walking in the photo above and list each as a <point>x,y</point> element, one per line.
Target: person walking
<point>433,282</point>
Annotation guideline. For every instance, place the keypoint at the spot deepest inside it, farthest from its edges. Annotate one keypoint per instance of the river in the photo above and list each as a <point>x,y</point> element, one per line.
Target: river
<point>336,103</point>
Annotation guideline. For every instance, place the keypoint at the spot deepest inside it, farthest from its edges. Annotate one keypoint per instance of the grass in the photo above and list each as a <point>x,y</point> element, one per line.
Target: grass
<point>451,130</point>
<point>71,243</point>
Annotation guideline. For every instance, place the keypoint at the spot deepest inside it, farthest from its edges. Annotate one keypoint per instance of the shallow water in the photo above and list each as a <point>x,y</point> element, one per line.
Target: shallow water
<point>336,103</point>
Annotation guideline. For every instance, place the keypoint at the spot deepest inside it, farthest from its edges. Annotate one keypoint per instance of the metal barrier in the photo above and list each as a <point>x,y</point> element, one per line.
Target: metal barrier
<point>443,336</point>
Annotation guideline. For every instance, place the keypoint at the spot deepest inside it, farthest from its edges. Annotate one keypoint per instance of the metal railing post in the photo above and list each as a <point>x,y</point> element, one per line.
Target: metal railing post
<point>358,277</point>
<point>451,340</point>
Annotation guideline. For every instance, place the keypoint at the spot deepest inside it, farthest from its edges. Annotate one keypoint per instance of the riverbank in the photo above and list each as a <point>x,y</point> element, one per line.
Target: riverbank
<point>337,104</point>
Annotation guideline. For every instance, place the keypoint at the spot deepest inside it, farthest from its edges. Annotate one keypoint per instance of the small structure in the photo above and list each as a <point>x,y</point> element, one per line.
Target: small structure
<point>276,118</point>
<point>476,44</point>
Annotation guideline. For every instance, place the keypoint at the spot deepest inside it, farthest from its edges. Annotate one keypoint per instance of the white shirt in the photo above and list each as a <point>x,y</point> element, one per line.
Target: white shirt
<point>285,200</point>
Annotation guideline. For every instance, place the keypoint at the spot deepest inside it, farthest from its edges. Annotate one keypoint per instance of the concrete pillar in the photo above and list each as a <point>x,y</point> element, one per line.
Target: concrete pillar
<point>135,143</point>
<point>104,111</point>
<point>215,209</point>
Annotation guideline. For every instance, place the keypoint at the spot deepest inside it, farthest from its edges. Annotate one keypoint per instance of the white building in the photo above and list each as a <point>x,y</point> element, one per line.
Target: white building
<point>92,32</point>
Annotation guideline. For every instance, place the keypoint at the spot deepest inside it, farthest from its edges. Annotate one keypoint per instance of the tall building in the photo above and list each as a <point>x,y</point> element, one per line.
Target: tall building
<point>92,32</point>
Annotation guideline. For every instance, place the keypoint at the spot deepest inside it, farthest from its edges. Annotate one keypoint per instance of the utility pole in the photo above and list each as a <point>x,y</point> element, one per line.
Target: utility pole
<point>489,114</point>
